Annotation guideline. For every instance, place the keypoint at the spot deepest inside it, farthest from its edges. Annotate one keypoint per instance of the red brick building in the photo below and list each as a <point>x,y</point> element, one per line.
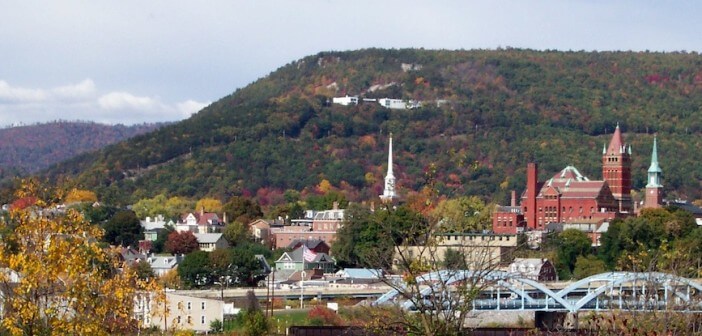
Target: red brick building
<point>570,197</point>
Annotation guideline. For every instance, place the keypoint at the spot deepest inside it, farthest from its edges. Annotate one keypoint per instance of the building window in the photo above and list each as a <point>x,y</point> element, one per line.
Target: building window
<point>190,320</point>
<point>189,305</point>
<point>202,319</point>
<point>203,305</point>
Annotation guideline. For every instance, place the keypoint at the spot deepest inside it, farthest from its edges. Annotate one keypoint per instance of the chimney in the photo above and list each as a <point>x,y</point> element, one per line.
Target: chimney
<point>531,192</point>
<point>513,202</point>
<point>335,206</point>
<point>224,217</point>
<point>202,211</point>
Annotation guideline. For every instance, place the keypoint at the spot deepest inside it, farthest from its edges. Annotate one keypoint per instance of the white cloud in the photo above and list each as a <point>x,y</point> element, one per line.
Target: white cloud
<point>84,101</point>
<point>84,89</point>
<point>125,100</point>
<point>13,94</point>
<point>188,107</point>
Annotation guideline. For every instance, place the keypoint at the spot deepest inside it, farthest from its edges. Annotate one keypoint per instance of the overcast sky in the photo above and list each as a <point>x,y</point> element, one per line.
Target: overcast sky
<point>132,61</point>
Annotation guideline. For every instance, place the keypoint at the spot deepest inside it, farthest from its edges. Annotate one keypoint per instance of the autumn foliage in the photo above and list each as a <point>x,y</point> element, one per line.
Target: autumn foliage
<point>181,242</point>
<point>320,315</point>
<point>79,195</point>
<point>56,277</point>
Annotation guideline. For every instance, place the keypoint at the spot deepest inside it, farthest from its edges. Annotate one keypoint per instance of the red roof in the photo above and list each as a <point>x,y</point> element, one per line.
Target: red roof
<point>207,218</point>
<point>569,183</point>
<point>203,219</point>
<point>615,145</point>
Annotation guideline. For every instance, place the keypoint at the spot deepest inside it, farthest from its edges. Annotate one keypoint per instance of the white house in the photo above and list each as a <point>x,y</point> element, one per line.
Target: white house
<point>179,312</point>
<point>345,100</point>
<point>200,222</point>
<point>162,264</point>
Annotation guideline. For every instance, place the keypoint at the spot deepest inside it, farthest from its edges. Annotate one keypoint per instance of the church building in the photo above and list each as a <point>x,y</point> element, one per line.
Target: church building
<point>570,197</point>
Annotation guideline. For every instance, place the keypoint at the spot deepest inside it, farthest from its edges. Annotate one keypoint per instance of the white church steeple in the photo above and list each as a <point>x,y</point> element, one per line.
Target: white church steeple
<point>389,190</point>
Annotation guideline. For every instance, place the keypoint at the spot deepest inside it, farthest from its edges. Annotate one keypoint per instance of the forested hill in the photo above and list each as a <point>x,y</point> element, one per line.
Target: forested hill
<point>36,147</point>
<point>485,115</point>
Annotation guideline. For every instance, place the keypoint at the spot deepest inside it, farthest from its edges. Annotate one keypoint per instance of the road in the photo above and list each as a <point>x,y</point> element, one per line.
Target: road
<point>262,292</point>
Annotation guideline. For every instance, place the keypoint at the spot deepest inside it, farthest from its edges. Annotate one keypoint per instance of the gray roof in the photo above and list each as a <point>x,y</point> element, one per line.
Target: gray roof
<point>311,243</point>
<point>208,238</point>
<point>329,214</point>
<point>163,262</point>
<point>296,256</point>
<point>361,273</point>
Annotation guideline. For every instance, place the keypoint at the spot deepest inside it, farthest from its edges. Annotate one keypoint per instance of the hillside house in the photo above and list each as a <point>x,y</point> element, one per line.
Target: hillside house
<point>315,245</point>
<point>211,241</point>
<point>294,261</point>
<point>163,264</point>
<point>200,222</point>
<point>261,230</point>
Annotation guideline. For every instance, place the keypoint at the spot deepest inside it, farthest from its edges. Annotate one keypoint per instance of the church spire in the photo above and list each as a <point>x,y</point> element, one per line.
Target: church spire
<point>654,170</point>
<point>389,190</point>
<point>654,188</point>
<point>390,157</point>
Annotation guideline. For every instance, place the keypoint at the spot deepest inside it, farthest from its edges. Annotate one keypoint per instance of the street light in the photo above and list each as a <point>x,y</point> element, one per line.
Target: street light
<point>223,277</point>
<point>302,287</point>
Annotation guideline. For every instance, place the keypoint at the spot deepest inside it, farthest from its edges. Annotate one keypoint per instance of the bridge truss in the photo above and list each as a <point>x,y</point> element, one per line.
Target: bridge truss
<point>508,291</point>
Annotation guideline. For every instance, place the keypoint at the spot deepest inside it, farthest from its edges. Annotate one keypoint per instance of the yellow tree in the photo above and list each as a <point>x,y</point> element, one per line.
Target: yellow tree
<point>209,205</point>
<point>80,195</point>
<point>56,278</point>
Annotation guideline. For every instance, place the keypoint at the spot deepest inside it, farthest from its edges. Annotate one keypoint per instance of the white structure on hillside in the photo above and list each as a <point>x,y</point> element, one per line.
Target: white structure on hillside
<point>389,190</point>
<point>345,100</point>
<point>390,103</point>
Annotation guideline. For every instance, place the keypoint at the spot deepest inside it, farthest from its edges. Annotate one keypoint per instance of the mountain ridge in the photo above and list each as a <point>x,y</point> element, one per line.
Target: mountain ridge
<point>32,148</point>
<point>502,109</point>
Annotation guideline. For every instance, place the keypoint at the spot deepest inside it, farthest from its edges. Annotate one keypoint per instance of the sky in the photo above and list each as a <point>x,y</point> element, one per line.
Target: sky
<point>132,61</point>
